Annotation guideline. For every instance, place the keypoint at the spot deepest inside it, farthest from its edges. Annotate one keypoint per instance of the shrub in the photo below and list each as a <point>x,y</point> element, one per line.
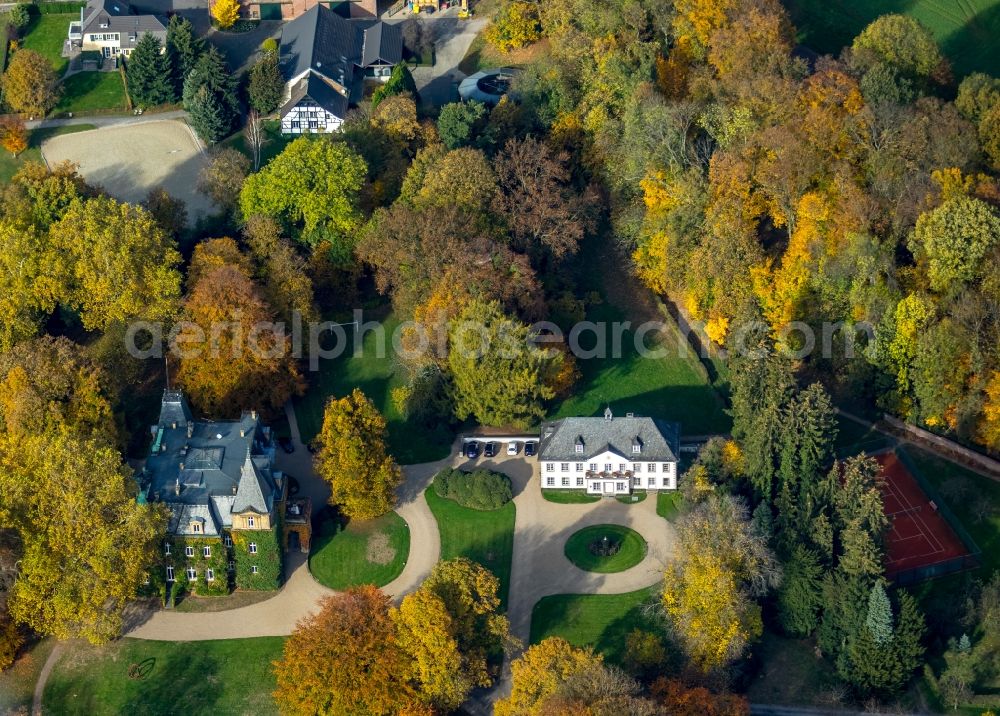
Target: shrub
<point>479,490</point>
<point>400,81</point>
<point>18,17</point>
<point>269,45</point>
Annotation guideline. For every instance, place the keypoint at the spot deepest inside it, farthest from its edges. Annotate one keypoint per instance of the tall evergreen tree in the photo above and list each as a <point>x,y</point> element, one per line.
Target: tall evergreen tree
<point>801,594</point>
<point>184,48</point>
<point>879,620</point>
<point>207,115</point>
<point>210,93</point>
<point>148,73</point>
<point>266,84</point>
<point>762,385</point>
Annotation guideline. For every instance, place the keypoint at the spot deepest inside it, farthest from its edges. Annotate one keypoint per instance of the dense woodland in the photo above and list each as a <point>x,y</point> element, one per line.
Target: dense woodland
<point>744,178</point>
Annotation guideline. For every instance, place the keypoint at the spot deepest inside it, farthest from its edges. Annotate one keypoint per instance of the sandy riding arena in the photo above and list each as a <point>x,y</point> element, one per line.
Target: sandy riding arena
<point>129,160</point>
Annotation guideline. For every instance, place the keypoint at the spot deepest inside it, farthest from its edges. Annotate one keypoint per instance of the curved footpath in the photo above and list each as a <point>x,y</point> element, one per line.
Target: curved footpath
<point>539,564</point>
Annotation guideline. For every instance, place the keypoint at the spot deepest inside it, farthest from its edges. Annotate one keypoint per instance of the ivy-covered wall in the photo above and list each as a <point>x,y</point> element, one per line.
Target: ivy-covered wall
<point>218,562</point>
<point>267,559</point>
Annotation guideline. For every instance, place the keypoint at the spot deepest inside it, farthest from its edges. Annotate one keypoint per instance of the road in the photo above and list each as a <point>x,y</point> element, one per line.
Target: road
<point>438,84</point>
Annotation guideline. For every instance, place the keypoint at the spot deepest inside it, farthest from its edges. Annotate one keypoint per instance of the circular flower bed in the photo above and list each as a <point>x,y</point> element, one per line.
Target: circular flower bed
<point>605,548</point>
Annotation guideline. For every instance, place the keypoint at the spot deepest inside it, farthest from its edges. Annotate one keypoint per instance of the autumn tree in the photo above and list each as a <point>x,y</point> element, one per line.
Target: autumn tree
<point>169,212</point>
<point>117,262</point>
<point>282,271</point>
<point>483,341</point>
<point>231,354</point>
<point>26,293</point>
<point>222,178</point>
<point>13,135</point>
<point>677,699</point>
<point>539,673</point>
<point>545,213</point>
<point>515,25</point>
<point>38,195</point>
<point>225,13</point>
<point>902,42</point>
<point>345,659</point>
<point>460,122</point>
<point>954,239</point>
<point>722,566</point>
<point>30,85</point>
<point>353,459</point>
<point>148,72</point>
<point>312,187</point>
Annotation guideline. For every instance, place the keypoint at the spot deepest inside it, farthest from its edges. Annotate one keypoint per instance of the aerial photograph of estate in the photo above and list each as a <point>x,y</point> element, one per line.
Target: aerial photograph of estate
<point>513,357</point>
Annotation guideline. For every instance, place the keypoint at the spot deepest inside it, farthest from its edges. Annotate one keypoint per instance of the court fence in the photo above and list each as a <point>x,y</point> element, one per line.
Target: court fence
<point>950,566</point>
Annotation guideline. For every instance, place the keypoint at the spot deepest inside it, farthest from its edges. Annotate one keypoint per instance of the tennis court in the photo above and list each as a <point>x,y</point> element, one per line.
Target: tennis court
<point>919,536</point>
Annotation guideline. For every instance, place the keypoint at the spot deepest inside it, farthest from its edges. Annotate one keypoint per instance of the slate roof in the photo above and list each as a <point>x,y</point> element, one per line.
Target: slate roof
<point>382,43</point>
<point>103,16</point>
<point>182,515</point>
<point>319,91</point>
<point>322,41</point>
<point>659,440</point>
<point>209,469</point>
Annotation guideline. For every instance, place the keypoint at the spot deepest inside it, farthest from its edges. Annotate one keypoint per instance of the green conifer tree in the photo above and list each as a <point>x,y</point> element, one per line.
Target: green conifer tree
<point>148,73</point>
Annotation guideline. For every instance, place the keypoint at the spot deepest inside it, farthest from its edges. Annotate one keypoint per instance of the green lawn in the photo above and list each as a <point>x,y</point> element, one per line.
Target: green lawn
<point>668,504</point>
<point>45,35</point>
<point>9,166</point>
<point>601,621</point>
<point>484,537</point>
<point>632,548</point>
<point>371,552</point>
<point>17,684</point>
<point>221,677</point>
<point>569,497</point>
<point>409,441</point>
<point>968,31</point>
<point>92,91</point>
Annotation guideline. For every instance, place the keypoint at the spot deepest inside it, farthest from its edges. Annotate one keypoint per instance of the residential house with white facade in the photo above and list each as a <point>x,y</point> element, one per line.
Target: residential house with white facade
<point>113,28</point>
<point>609,455</point>
<point>325,60</point>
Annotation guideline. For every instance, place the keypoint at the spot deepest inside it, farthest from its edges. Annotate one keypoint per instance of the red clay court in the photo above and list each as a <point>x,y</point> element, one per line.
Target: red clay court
<point>918,535</point>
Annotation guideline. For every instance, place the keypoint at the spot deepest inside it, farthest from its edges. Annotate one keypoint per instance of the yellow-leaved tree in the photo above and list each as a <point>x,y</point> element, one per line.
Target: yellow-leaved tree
<point>539,673</point>
<point>226,13</point>
<point>352,457</point>
<point>721,566</point>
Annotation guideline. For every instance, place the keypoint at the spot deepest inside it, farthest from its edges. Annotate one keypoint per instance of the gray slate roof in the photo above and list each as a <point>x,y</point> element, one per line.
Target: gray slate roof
<point>103,16</point>
<point>209,469</point>
<point>659,440</point>
<point>319,91</point>
<point>382,44</point>
<point>321,42</point>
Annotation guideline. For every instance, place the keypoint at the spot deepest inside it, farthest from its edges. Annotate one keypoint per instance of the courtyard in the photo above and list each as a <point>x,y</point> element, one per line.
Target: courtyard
<point>130,160</point>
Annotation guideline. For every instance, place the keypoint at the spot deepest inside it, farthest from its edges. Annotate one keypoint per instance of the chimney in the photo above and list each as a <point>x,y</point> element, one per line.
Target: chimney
<point>190,429</point>
<point>608,415</point>
<point>182,467</point>
<point>253,414</point>
<point>177,486</point>
<point>173,425</point>
<point>243,433</point>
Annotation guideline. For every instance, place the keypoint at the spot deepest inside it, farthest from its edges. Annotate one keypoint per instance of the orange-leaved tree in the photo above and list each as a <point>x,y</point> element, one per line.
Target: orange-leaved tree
<point>13,135</point>
<point>346,659</point>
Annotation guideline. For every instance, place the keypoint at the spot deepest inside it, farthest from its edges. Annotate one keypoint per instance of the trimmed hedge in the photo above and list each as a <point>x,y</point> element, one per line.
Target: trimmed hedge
<point>480,490</point>
<point>59,8</point>
<point>267,559</point>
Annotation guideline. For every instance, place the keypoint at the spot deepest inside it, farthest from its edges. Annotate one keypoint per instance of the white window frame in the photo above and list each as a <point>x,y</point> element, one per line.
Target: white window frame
<point>565,482</point>
<point>252,548</point>
<point>593,467</point>
<point>652,467</point>
<point>550,482</point>
<point>579,482</point>
<point>189,551</point>
<point>550,467</point>
<point>651,481</point>
<point>579,467</point>
<point>579,447</point>
<point>206,551</point>
<point>253,569</point>
<point>170,572</point>
<point>228,540</point>
<point>209,575</point>
<point>192,574</point>
<point>250,521</point>
<point>564,467</point>
<point>166,549</point>
<point>637,467</point>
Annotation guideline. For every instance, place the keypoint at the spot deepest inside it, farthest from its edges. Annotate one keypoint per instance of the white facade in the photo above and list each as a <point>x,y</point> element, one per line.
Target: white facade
<point>609,474</point>
<point>309,118</point>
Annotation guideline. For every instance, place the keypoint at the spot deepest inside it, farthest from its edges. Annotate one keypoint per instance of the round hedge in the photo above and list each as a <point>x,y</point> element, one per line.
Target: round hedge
<point>479,490</point>
<point>631,551</point>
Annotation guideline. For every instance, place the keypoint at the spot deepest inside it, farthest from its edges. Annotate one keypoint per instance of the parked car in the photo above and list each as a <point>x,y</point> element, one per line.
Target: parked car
<point>512,448</point>
<point>492,449</point>
<point>472,449</point>
<point>286,444</point>
<point>529,449</point>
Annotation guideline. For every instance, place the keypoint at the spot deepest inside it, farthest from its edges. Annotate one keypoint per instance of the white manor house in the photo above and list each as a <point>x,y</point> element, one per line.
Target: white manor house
<point>609,455</point>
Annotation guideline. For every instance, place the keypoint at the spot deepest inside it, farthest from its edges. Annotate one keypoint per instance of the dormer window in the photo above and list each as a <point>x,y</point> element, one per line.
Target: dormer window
<point>636,446</point>
<point>196,527</point>
<point>579,444</point>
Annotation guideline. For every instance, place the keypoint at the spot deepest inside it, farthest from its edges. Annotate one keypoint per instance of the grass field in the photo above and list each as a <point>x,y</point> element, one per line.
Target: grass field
<point>376,375</point>
<point>274,142</point>
<point>668,504</point>
<point>630,553</point>
<point>17,684</point>
<point>9,165</point>
<point>45,35</point>
<point>601,621</point>
<point>484,537</point>
<point>344,557</point>
<point>968,31</point>
<point>220,677</point>
<point>91,92</point>
<point>569,497</point>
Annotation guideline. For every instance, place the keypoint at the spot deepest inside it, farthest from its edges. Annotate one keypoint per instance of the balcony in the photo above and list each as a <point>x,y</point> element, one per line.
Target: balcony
<point>75,31</point>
